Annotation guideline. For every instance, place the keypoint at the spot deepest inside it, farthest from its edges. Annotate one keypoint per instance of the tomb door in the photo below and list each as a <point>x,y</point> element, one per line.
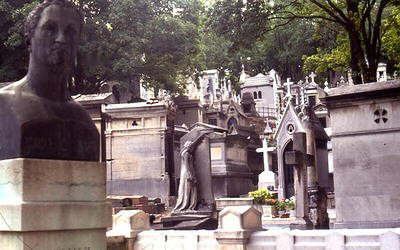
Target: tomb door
<point>288,173</point>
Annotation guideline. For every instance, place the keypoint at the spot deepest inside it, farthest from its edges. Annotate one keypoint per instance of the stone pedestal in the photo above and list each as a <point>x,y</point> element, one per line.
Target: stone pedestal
<point>235,226</point>
<point>53,204</point>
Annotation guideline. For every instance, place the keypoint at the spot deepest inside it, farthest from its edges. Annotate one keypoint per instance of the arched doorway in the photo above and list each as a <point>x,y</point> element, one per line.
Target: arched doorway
<point>232,123</point>
<point>288,173</point>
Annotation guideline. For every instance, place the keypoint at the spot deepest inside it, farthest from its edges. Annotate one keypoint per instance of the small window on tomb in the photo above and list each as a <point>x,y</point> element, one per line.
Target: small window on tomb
<point>322,120</point>
<point>380,116</point>
<point>212,121</point>
<point>232,122</point>
<point>290,128</point>
<point>311,100</point>
<point>255,95</point>
<point>210,85</point>
<point>259,95</point>
<point>136,123</point>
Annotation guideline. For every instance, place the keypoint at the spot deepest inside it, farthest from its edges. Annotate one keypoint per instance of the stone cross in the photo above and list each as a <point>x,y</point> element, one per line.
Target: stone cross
<point>313,75</point>
<point>265,150</point>
<point>326,86</point>
<point>288,84</point>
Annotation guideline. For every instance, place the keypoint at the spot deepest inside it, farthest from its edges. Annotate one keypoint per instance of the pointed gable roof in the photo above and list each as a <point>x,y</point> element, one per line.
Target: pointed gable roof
<point>289,117</point>
<point>258,80</point>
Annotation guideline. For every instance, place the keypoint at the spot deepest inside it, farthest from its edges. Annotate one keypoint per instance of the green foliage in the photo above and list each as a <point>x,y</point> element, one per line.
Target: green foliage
<point>327,59</point>
<point>122,40</point>
<point>163,42</point>
<point>260,195</point>
<point>146,39</point>
<point>14,55</point>
<point>286,204</point>
<point>271,202</point>
<point>280,205</point>
<point>281,23</point>
<point>258,41</point>
<point>391,37</point>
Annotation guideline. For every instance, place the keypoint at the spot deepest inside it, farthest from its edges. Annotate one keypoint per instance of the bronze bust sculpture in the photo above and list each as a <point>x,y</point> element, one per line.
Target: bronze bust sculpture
<point>38,118</point>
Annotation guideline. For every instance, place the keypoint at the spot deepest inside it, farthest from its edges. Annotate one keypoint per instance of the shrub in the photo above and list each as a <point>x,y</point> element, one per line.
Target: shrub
<point>260,196</point>
<point>271,202</point>
<point>280,205</point>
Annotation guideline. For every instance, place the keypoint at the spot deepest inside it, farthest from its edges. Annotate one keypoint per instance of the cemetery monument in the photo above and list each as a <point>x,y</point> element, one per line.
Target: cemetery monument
<point>195,205</point>
<point>52,188</point>
<point>188,193</point>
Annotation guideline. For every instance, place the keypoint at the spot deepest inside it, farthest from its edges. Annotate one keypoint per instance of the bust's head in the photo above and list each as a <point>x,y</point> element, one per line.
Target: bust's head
<point>52,32</point>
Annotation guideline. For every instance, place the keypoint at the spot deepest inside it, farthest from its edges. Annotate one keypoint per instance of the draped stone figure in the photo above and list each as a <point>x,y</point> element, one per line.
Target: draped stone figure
<point>188,188</point>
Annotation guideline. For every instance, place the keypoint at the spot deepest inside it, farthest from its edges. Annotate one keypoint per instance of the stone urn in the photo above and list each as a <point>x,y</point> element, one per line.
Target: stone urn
<point>269,211</point>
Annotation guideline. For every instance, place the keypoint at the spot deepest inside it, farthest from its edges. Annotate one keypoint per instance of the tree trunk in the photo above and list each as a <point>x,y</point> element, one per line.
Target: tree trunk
<point>356,58</point>
<point>78,76</point>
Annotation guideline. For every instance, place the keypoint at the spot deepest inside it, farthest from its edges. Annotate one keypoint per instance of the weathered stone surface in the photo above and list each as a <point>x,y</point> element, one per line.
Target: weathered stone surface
<point>138,143</point>
<point>51,180</point>
<point>47,216</point>
<point>282,239</point>
<point>240,218</point>
<point>129,222</point>
<point>50,240</point>
<point>222,203</point>
<point>365,142</point>
<point>235,165</point>
<point>201,167</point>
<point>294,158</point>
<point>53,204</point>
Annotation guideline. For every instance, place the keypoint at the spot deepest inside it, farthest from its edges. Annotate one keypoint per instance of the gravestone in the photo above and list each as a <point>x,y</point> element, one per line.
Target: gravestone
<point>52,188</point>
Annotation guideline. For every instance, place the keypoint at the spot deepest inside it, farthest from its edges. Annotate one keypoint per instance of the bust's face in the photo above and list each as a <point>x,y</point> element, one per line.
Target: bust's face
<point>56,37</point>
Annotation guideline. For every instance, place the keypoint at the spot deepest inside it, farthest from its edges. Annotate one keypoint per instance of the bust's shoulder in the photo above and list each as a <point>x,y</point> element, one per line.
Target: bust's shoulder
<point>12,88</point>
<point>4,84</point>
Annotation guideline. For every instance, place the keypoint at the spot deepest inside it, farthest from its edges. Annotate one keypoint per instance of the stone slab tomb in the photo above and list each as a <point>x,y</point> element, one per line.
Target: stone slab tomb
<point>365,144</point>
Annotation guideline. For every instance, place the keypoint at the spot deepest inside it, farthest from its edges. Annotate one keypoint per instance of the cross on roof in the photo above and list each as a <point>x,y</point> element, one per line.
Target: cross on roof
<point>288,83</point>
<point>313,75</point>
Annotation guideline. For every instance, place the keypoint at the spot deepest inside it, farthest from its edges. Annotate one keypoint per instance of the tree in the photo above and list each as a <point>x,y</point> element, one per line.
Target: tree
<point>332,55</point>
<point>391,38</point>
<point>361,20</point>
<point>259,40</point>
<point>14,54</point>
<point>152,40</point>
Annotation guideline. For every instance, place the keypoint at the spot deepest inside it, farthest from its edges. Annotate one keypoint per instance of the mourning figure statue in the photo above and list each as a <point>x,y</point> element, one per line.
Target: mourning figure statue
<point>188,188</point>
<point>38,118</point>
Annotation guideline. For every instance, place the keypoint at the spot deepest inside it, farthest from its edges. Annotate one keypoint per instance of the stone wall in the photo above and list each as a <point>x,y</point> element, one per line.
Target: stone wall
<point>239,228</point>
<point>282,239</point>
<point>139,141</point>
